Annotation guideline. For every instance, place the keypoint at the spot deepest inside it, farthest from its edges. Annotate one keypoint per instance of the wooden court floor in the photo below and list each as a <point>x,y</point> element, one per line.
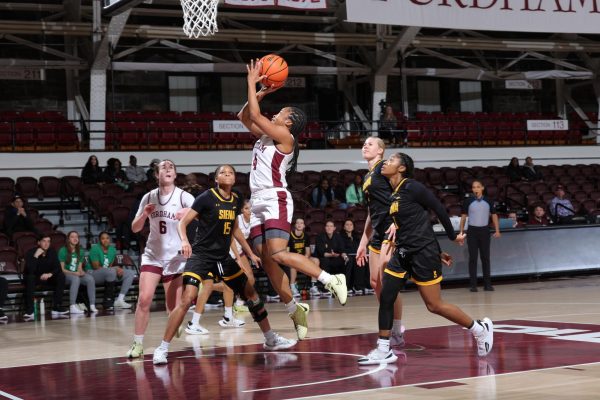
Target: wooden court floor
<point>547,346</point>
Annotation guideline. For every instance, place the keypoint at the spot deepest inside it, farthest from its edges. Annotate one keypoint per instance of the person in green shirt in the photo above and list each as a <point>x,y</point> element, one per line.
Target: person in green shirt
<point>71,259</point>
<point>354,193</point>
<point>102,256</point>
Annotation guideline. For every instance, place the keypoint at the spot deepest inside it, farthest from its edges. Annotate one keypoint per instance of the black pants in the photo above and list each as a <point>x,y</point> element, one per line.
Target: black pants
<point>333,265</point>
<point>3,291</point>
<point>55,283</point>
<point>356,277</point>
<point>478,240</point>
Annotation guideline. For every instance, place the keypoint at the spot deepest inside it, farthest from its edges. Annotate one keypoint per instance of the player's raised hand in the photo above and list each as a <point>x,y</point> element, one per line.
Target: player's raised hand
<point>254,75</point>
<point>149,208</point>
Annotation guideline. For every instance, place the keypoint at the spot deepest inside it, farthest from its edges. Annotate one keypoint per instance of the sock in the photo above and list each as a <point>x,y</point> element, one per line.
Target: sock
<point>228,313</point>
<point>397,326</point>
<point>121,297</point>
<point>476,328</point>
<point>164,345</point>
<point>383,344</point>
<point>269,335</point>
<point>291,306</point>
<point>324,278</point>
<point>138,338</point>
<point>196,318</point>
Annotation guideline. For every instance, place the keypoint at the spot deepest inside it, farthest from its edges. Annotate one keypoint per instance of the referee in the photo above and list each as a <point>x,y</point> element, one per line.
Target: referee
<point>479,208</point>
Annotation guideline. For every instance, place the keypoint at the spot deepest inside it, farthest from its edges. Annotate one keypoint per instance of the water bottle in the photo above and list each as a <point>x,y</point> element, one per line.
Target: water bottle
<point>42,308</point>
<point>35,308</point>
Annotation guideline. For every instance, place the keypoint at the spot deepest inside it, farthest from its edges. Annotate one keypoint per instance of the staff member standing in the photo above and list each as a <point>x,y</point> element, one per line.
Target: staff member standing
<point>479,208</point>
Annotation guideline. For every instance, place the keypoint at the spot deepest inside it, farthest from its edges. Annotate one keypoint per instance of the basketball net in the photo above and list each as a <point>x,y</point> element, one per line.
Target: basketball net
<point>199,17</point>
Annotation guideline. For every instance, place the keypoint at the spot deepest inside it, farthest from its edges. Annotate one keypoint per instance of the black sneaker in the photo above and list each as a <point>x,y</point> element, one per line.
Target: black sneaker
<point>2,315</point>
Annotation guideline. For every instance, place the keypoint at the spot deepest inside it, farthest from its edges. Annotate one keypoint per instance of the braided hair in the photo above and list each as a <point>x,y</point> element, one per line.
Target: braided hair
<point>298,118</point>
<point>408,163</point>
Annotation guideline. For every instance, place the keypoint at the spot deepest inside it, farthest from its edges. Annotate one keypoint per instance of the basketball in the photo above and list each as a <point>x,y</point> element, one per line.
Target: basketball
<point>276,70</point>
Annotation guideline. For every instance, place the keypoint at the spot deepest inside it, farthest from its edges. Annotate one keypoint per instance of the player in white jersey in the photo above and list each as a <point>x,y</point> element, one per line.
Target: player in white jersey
<point>275,154</point>
<point>163,207</point>
<point>236,252</point>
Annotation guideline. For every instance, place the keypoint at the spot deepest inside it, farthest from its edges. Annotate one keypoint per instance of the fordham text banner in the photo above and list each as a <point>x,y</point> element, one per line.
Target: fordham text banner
<point>561,16</point>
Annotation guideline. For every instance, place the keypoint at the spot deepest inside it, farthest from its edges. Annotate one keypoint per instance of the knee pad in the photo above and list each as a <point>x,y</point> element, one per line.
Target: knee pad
<point>190,280</point>
<point>238,285</point>
<point>257,310</point>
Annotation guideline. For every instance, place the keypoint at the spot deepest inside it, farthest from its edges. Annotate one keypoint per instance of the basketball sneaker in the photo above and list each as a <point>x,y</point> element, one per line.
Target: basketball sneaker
<point>73,309</point>
<point>160,356</point>
<point>121,304</point>
<point>377,356</point>
<point>93,308</point>
<point>397,339</point>
<point>300,321</point>
<point>485,340</point>
<point>337,287</point>
<point>279,343</point>
<point>2,315</point>
<point>295,291</point>
<point>136,350</point>
<point>314,291</point>
<point>231,323</point>
<point>192,329</point>
<point>240,308</point>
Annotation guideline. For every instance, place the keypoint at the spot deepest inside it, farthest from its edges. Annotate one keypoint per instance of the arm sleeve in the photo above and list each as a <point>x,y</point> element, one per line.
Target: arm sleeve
<point>424,197</point>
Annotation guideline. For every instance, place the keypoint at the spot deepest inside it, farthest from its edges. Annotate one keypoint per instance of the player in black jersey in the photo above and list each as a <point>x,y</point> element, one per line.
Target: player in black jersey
<point>417,256</point>
<point>377,191</point>
<point>209,260</point>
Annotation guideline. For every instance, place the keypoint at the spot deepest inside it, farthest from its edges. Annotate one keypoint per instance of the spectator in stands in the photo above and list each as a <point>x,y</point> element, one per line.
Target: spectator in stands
<point>92,172</point>
<point>300,243</point>
<point>539,217</point>
<point>512,216</point>
<point>560,207</point>
<point>71,259</point>
<point>388,126</point>
<point>329,249</point>
<point>134,172</point>
<point>150,171</point>
<point>3,295</point>
<point>102,257</point>
<point>357,278</point>
<point>530,171</point>
<point>513,170</point>
<point>16,218</point>
<point>42,268</point>
<point>479,208</point>
<point>339,192</point>
<point>113,173</point>
<point>323,195</point>
<point>354,193</point>
<point>191,185</point>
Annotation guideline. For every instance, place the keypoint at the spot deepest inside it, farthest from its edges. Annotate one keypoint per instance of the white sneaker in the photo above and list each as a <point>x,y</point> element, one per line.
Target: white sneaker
<point>295,291</point>
<point>378,357</point>
<point>93,308</point>
<point>193,329</point>
<point>73,309</point>
<point>279,343</point>
<point>231,323</point>
<point>397,339</point>
<point>337,287</point>
<point>82,306</point>
<point>121,304</point>
<point>160,356</point>
<point>485,340</point>
<point>273,299</point>
<point>314,291</point>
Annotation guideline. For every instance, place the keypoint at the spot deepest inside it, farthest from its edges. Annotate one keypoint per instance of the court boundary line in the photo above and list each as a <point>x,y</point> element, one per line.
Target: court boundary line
<point>9,396</point>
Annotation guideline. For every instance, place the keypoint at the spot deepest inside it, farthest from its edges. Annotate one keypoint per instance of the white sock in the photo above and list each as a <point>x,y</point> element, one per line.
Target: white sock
<point>228,312</point>
<point>164,345</point>
<point>121,297</point>
<point>269,335</point>
<point>196,318</point>
<point>477,328</point>
<point>291,306</point>
<point>324,278</point>
<point>397,326</point>
<point>138,338</point>
<point>383,345</point>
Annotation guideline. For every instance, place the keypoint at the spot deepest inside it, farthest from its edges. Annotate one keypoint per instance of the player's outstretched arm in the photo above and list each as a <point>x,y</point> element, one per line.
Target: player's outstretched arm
<point>186,248</point>
<point>239,236</point>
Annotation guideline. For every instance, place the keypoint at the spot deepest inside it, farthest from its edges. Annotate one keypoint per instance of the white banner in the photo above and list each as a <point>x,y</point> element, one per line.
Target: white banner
<point>305,4</point>
<point>547,125</point>
<point>564,16</point>
<point>228,126</point>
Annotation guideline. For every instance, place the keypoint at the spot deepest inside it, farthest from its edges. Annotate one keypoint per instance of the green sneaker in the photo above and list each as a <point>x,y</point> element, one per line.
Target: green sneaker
<point>300,321</point>
<point>136,350</point>
<point>240,308</point>
<point>337,287</point>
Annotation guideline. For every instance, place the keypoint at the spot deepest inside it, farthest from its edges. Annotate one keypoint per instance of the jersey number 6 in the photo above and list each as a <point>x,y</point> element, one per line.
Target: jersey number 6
<point>162,227</point>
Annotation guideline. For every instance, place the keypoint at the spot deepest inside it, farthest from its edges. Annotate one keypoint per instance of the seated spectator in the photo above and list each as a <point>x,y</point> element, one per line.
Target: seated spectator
<point>71,259</point>
<point>357,278</point>
<point>539,217</point>
<point>323,195</point>
<point>134,172</point>
<point>339,192</point>
<point>354,194</point>
<point>513,170</point>
<point>150,172</point>
<point>102,257</point>
<point>42,268</point>
<point>388,126</point>
<point>3,295</point>
<point>511,221</point>
<point>300,243</point>
<point>530,171</point>
<point>113,173</point>
<point>560,207</point>
<point>92,172</point>
<point>16,218</point>
<point>329,249</point>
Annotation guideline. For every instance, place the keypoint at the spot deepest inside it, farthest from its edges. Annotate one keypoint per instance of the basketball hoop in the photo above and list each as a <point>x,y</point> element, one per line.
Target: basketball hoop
<point>199,17</point>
